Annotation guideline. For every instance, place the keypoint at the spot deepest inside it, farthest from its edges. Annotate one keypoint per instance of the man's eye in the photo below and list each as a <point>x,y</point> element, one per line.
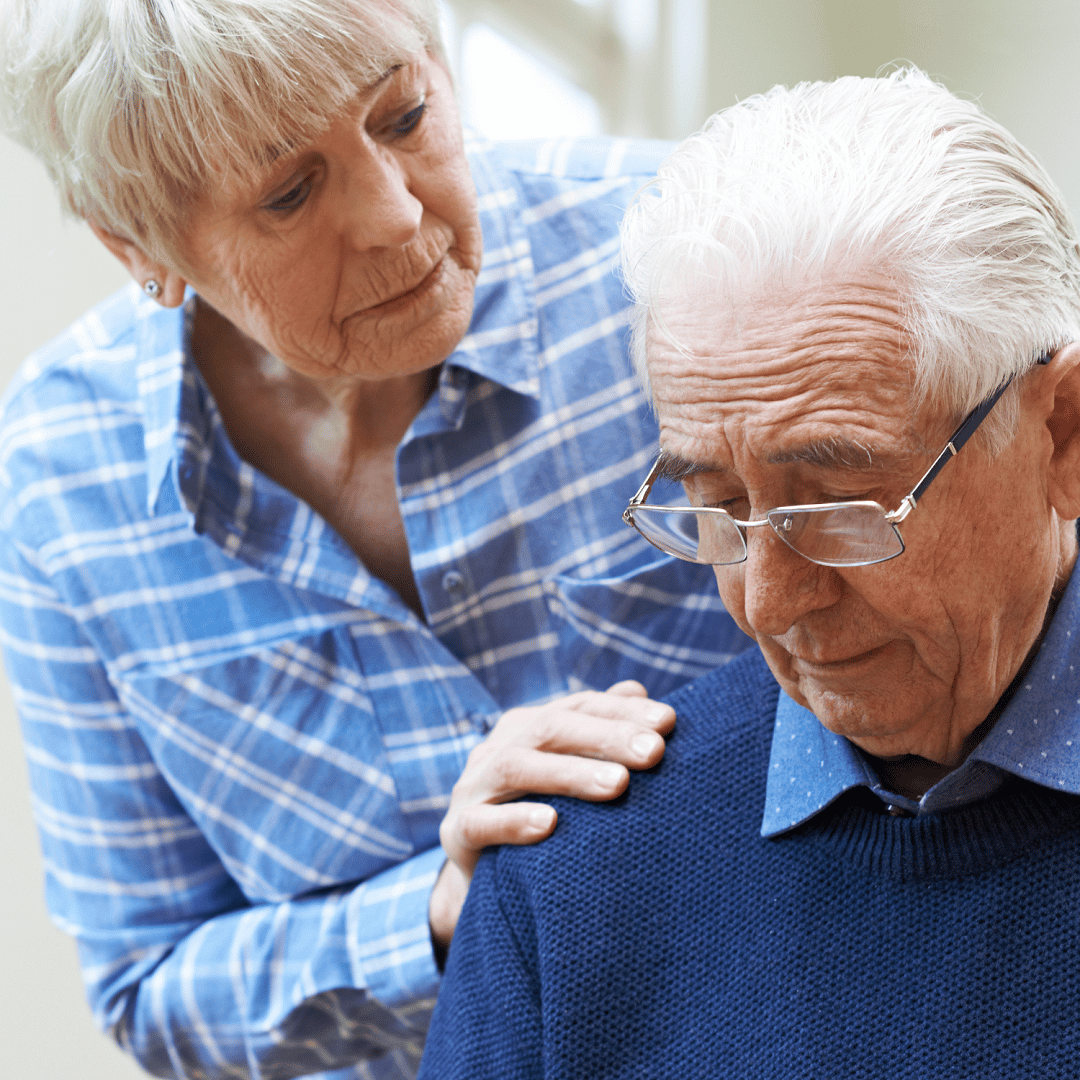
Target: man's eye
<point>292,199</point>
<point>738,507</point>
<point>406,124</point>
<point>714,500</point>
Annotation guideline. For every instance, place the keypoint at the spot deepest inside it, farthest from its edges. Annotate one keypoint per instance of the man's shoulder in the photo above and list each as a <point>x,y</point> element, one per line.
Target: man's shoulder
<point>725,702</point>
<point>711,780</point>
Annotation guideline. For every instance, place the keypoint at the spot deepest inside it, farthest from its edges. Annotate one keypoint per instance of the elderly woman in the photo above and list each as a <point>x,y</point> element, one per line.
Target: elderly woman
<point>860,856</point>
<point>289,527</point>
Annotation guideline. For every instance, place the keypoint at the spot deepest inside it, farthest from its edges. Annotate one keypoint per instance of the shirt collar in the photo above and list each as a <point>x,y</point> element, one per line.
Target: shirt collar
<point>501,343</point>
<point>161,336</point>
<point>809,767</point>
<point>1037,737</point>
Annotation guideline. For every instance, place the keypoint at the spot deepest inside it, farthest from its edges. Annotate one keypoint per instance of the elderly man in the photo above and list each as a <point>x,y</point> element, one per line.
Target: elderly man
<point>861,853</point>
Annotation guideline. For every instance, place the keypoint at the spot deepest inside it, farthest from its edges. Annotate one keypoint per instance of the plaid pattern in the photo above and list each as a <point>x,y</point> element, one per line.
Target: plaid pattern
<point>240,743</point>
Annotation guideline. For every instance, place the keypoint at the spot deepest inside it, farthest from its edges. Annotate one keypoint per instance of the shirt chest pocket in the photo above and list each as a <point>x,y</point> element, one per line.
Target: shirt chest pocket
<point>662,624</point>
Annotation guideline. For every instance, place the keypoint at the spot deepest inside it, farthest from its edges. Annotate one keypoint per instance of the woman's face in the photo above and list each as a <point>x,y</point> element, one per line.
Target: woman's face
<point>357,254</point>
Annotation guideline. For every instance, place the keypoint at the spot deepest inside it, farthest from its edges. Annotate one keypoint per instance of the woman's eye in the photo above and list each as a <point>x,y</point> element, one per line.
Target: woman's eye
<point>406,124</point>
<point>292,199</point>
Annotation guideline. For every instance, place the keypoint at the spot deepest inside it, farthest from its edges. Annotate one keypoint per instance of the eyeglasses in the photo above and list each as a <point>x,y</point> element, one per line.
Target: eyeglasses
<point>829,534</point>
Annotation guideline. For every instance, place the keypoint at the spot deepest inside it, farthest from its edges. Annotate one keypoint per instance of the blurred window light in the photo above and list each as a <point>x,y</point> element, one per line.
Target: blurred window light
<point>508,93</point>
<point>637,22</point>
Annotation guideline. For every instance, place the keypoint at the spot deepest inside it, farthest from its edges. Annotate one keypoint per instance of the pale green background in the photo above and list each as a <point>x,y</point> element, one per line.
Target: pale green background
<point>1017,56</point>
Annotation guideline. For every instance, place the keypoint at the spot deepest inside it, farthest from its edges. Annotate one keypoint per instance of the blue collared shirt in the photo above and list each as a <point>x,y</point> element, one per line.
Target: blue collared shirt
<point>241,744</point>
<point>1037,737</point>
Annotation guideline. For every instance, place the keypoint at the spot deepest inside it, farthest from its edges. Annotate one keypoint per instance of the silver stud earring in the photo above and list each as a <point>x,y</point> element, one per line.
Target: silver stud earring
<point>152,288</point>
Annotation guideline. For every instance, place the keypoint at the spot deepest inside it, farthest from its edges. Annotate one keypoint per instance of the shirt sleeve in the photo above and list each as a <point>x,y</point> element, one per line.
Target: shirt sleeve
<point>487,1024</point>
<point>179,967</point>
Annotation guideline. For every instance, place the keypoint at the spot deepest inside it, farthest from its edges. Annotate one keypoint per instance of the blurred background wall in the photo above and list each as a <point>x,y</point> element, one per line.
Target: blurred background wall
<point>524,68</point>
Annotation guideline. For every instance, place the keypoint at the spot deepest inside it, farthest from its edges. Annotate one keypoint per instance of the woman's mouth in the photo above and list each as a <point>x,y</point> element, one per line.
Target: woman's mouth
<point>408,296</point>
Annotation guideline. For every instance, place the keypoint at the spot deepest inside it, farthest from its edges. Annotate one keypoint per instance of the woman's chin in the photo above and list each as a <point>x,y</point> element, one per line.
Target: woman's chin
<point>411,333</point>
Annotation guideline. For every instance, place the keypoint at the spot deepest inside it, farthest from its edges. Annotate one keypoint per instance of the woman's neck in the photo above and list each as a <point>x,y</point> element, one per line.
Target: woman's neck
<point>365,413</point>
<point>331,442</point>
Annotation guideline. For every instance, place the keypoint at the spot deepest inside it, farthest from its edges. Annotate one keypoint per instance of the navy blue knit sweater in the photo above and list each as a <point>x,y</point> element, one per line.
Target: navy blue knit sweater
<point>661,936</point>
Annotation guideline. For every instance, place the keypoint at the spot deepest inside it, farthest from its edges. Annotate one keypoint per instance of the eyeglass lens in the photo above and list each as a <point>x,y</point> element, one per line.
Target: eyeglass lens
<point>852,535</point>
<point>855,534</point>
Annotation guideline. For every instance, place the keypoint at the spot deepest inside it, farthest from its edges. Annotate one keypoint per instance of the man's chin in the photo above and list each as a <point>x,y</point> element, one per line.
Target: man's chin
<point>857,712</point>
<point>879,723</point>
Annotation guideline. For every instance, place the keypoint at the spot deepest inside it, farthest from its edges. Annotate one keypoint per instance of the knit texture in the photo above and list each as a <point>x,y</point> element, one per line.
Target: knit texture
<point>662,936</point>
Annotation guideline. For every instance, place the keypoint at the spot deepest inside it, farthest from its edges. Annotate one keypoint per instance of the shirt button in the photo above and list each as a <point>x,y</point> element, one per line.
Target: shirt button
<point>453,582</point>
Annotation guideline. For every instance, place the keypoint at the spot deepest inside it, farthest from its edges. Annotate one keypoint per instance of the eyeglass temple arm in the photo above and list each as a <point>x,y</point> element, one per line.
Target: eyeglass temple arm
<point>960,436</point>
<point>642,494</point>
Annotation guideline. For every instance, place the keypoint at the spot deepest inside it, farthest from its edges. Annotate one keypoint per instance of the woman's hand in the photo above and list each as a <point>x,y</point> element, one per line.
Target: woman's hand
<point>581,745</point>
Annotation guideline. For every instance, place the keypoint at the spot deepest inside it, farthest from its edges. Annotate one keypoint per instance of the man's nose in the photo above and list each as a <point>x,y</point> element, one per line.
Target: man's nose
<point>780,585</point>
<point>383,210</point>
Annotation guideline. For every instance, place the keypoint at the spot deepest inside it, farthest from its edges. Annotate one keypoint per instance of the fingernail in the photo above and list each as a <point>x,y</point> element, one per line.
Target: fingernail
<point>657,712</point>
<point>608,776</point>
<point>540,817</point>
<point>645,745</point>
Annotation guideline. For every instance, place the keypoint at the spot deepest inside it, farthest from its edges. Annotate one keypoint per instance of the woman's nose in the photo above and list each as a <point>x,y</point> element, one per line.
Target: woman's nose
<point>384,211</point>
<point>780,585</point>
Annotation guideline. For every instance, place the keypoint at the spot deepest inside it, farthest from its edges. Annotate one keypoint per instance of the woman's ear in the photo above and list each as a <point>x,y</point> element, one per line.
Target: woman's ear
<point>171,285</point>
<point>1064,426</point>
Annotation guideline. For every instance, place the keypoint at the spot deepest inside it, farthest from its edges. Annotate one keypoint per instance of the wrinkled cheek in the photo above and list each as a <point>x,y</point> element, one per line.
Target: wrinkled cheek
<point>299,329</point>
<point>998,614</point>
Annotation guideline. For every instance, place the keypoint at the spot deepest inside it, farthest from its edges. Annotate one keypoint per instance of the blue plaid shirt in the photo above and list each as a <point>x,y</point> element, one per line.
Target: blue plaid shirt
<point>240,743</point>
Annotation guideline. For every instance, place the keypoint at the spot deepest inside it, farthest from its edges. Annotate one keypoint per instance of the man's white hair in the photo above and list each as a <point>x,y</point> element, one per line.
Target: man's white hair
<point>136,107</point>
<point>894,176</point>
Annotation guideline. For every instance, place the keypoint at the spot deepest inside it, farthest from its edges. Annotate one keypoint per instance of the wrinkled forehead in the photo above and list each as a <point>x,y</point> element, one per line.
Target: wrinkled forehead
<point>785,372</point>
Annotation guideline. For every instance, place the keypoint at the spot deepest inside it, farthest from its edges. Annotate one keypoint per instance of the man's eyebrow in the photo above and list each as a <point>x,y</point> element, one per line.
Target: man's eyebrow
<point>835,453</point>
<point>674,468</point>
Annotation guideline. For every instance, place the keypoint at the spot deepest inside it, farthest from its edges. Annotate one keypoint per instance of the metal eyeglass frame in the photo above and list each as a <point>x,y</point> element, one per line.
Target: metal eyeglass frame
<point>967,428</point>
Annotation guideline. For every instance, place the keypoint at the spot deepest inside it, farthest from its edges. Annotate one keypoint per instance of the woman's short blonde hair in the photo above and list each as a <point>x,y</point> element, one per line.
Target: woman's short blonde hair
<point>135,106</point>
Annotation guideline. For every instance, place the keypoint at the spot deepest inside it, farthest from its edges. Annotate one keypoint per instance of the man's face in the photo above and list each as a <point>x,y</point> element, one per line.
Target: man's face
<point>806,397</point>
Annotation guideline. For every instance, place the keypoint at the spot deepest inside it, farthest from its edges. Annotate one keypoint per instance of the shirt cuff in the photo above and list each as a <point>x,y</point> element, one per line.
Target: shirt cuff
<point>390,950</point>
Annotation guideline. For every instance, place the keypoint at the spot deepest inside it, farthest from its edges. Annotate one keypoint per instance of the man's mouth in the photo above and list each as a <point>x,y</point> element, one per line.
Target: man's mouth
<point>835,661</point>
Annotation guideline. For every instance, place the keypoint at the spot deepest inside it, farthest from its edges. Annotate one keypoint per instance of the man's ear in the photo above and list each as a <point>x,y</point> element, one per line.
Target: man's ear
<point>1064,426</point>
<point>142,268</point>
